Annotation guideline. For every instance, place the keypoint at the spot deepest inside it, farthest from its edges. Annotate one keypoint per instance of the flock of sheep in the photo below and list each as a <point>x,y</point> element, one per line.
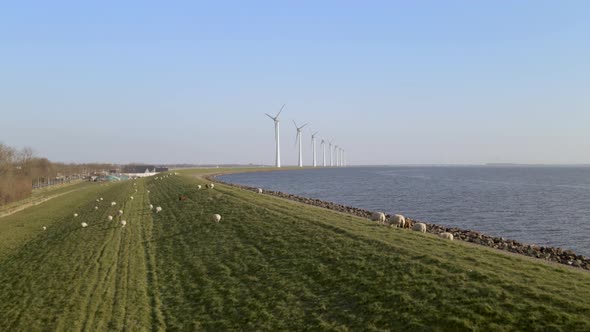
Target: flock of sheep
<point>120,212</point>
<point>397,220</point>
<point>158,209</point>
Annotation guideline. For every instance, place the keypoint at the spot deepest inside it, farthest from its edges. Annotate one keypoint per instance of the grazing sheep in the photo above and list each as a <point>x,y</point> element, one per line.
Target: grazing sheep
<point>131,197</point>
<point>446,235</point>
<point>120,212</point>
<point>419,227</point>
<point>212,185</point>
<point>75,215</point>
<point>198,186</point>
<point>123,223</point>
<point>101,198</point>
<point>84,224</point>
<point>113,203</point>
<point>259,190</point>
<point>398,221</point>
<point>158,209</point>
<point>96,207</point>
<point>44,228</point>
<point>148,191</point>
<point>216,217</point>
<point>98,200</point>
<point>135,190</point>
<point>379,217</point>
<point>110,218</point>
<point>151,207</point>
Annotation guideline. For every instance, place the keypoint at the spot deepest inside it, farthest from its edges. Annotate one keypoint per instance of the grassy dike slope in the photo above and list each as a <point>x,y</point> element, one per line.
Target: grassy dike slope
<point>271,264</point>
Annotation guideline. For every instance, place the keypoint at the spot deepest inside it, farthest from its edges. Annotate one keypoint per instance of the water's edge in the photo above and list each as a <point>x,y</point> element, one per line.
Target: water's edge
<point>551,254</point>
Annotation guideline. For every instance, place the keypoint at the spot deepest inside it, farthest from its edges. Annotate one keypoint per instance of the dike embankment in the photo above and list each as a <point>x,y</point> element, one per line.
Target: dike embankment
<point>551,254</point>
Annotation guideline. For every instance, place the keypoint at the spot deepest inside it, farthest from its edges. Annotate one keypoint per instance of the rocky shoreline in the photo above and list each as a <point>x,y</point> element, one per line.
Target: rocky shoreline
<point>557,255</point>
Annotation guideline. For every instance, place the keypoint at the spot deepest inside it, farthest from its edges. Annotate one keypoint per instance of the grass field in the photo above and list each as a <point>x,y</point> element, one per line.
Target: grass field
<point>270,264</point>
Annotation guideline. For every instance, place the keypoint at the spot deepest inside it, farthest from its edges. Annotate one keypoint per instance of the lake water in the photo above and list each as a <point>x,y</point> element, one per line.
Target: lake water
<point>547,206</point>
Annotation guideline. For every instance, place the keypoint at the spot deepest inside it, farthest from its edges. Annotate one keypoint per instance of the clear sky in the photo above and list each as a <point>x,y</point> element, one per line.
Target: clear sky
<point>393,82</point>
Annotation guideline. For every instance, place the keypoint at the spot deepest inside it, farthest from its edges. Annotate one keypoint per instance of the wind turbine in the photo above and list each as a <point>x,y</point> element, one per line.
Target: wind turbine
<point>278,145</point>
<point>313,145</point>
<point>331,159</point>
<point>323,144</point>
<point>298,139</point>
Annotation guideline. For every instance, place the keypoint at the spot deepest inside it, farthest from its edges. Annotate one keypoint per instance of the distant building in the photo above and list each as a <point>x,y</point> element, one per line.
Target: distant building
<point>142,170</point>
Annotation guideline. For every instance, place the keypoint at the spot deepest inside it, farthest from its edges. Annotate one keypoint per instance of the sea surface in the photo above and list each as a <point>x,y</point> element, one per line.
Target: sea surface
<point>548,206</point>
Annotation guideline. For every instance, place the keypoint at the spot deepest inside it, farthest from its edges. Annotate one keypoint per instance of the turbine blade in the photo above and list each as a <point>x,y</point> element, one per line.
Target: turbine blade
<point>270,116</point>
<point>281,110</point>
<point>303,125</point>
<point>295,124</point>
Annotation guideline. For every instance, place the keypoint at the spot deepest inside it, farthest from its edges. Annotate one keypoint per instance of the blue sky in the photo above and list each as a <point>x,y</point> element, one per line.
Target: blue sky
<point>393,82</point>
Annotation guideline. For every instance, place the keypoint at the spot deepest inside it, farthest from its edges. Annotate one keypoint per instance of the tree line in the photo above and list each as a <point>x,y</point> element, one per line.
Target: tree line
<point>21,170</point>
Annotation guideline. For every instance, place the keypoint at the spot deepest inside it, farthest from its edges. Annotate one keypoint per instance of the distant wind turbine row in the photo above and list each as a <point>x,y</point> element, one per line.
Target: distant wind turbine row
<point>337,151</point>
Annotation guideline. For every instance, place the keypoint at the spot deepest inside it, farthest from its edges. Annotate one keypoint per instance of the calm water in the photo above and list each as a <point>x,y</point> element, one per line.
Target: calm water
<point>540,205</point>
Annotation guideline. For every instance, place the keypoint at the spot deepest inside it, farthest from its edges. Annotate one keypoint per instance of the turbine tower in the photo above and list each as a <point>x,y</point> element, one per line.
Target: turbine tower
<point>313,145</point>
<point>298,139</point>
<point>323,144</point>
<point>341,157</point>
<point>277,141</point>
<point>331,158</point>
<point>336,153</point>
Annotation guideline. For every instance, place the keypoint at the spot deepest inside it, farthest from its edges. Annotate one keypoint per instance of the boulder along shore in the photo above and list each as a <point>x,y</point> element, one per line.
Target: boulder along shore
<point>557,255</point>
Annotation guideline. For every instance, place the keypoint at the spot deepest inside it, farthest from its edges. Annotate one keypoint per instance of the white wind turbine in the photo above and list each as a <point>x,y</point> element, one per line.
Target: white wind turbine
<point>298,139</point>
<point>331,158</point>
<point>313,145</point>
<point>323,144</point>
<point>277,141</point>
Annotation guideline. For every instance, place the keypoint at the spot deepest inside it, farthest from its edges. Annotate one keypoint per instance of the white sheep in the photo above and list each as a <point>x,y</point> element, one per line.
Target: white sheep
<point>96,207</point>
<point>379,217</point>
<point>259,190</point>
<point>123,223</point>
<point>110,218</point>
<point>216,217</point>
<point>44,228</point>
<point>398,221</point>
<point>158,209</point>
<point>198,186</point>
<point>211,186</point>
<point>98,200</point>
<point>101,198</point>
<point>419,227</point>
<point>113,203</point>
<point>446,235</point>
<point>148,191</point>
<point>84,224</point>
<point>75,215</point>
<point>131,197</point>
<point>151,207</point>
<point>120,212</point>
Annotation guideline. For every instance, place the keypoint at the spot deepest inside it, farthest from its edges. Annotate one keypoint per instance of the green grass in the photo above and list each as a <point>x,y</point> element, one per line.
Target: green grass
<point>270,264</point>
